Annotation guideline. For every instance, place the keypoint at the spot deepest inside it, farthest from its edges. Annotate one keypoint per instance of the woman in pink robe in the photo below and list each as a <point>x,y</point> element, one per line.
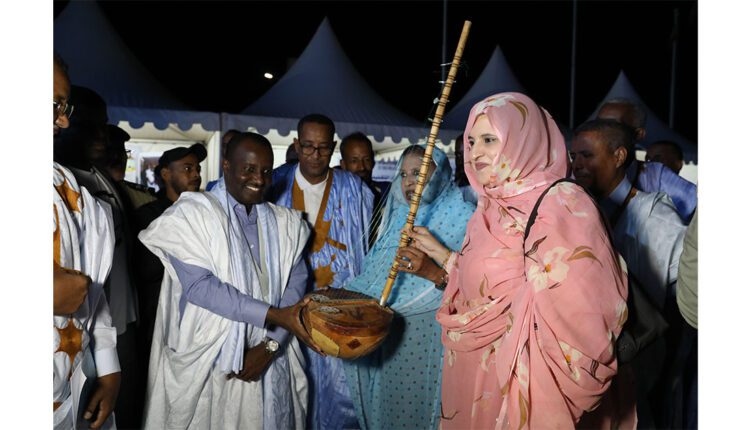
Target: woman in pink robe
<point>529,328</point>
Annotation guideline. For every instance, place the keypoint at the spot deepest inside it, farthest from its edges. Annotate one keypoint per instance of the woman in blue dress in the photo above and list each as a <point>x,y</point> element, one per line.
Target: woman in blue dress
<point>398,385</point>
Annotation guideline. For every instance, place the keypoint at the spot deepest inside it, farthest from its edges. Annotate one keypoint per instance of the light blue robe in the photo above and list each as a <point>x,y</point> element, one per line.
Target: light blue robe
<point>398,385</point>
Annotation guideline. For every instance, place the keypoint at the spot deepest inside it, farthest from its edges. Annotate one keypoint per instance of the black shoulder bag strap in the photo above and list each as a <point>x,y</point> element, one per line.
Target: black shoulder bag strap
<point>532,216</point>
<point>645,322</point>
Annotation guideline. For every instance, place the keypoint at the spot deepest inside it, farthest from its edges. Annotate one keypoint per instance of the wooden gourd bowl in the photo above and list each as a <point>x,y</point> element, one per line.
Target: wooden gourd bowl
<point>344,323</point>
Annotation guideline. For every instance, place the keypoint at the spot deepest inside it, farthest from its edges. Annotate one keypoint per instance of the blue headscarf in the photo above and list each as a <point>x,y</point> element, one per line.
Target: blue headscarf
<point>442,210</point>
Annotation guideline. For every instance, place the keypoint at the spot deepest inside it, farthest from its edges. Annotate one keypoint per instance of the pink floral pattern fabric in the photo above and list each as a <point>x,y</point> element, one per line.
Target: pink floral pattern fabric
<point>529,329</point>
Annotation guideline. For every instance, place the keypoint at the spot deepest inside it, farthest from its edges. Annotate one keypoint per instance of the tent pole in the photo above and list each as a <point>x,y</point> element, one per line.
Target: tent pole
<point>673,78</point>
<point>571,118</point>
<point>571,124</point>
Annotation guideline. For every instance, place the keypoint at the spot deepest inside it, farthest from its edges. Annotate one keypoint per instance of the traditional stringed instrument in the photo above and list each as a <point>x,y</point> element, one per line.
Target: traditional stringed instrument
<point>348,324</point>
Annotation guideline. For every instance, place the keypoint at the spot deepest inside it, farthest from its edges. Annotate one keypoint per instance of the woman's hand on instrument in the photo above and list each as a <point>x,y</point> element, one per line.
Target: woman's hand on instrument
<point>412,260</point>
<point>423,240</point>
<point>290,318</point>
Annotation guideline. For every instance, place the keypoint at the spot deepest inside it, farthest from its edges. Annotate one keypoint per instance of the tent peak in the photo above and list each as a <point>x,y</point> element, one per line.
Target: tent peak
<point>496,77</point>
<point>622,88</point>
<point>99,59</point>
<point>324,80</point>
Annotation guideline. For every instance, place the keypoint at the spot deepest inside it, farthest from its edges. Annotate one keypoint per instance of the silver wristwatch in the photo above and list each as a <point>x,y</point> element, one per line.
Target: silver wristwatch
<point>271,345</point>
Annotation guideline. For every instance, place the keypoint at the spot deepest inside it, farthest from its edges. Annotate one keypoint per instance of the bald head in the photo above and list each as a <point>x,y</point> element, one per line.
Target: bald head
<point>625,112</point>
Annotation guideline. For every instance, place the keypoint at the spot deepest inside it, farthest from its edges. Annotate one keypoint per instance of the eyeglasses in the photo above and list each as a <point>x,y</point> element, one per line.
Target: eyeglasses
<point>60,109</point>
<point>324,151</point>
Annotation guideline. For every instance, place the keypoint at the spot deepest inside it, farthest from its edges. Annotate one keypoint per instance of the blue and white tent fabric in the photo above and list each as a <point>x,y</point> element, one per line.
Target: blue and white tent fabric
<point>99,59</point>
<point>497,77</point>
<point>323,80</point>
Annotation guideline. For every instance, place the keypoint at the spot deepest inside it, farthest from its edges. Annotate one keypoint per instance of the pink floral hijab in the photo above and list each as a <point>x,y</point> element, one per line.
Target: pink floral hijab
<point>529,328</point>
<point>538,160</point>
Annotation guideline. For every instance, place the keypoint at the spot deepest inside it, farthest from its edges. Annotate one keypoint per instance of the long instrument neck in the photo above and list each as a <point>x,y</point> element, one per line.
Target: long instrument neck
<point>427,158</point>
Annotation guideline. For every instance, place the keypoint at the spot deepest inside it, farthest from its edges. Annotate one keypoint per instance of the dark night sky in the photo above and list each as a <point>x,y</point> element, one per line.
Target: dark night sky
<point>212,55</point>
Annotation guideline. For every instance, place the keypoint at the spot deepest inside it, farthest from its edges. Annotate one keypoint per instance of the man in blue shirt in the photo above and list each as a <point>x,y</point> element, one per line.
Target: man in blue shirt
<point>233,266</point>
<point>646,230</point>
<point>651,177</point>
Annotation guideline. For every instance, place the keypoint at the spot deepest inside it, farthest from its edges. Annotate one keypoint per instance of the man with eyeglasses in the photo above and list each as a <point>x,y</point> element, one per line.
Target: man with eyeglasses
<point>338,205</point>
<point>86,369</point>
<point>81,149</point>
<point>61,112</point>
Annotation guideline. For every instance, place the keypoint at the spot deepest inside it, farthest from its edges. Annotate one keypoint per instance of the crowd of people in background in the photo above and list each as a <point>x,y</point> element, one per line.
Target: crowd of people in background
<point>545,284</point>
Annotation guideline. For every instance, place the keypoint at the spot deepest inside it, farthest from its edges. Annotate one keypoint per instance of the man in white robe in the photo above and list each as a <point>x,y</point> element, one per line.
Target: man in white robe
<point>220,356</point>
<point>86,371</point>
